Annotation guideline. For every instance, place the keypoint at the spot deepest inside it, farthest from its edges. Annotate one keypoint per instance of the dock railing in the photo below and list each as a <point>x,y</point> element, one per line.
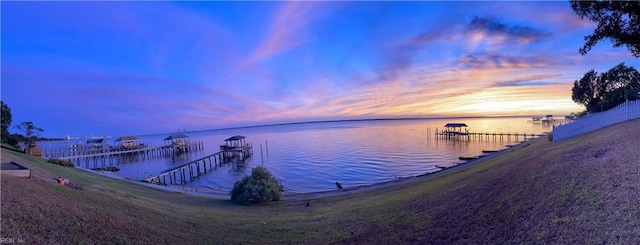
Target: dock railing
<point>623,112</point>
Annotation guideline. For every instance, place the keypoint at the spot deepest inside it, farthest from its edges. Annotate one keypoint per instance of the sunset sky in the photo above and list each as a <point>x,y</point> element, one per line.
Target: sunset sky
<point>131,68</point>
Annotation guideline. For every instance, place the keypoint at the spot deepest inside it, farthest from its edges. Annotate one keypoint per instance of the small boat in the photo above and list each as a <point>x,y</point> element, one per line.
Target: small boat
<point>467,158</point>
<point>489,151</point>
<point>108,169</point>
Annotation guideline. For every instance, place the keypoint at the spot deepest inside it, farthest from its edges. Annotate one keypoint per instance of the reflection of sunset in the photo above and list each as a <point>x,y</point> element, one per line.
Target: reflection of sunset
<point>116,68</point>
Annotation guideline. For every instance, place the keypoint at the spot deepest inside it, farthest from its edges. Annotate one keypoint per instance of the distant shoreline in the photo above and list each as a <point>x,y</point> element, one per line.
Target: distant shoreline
<point>330,121</point>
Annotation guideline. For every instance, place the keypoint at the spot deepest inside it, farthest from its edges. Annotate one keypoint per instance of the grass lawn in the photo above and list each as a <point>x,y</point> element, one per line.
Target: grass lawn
<point>584,189</point>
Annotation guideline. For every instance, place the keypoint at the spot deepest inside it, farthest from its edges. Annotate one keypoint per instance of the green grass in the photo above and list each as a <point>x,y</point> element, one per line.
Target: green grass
<point>580,190</point>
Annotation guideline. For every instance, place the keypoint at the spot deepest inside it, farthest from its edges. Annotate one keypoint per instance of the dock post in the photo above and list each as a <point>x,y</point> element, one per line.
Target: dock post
<point>174,176</point>
<point>182,175</point>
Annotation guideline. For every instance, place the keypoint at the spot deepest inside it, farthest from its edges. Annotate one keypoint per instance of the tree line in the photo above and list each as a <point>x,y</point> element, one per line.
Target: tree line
<point>31,132</point>
<point>603,91</point>
<point>618,21</point>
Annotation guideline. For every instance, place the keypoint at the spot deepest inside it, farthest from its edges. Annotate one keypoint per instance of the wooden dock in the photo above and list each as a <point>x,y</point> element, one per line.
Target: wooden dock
<point>495,136</point>
<point>553,121</point>
<point>186,172</point>
<point>114,155</point>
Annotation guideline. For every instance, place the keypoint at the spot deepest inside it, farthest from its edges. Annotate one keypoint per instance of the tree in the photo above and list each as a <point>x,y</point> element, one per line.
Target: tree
<point>617,20</point>
<point>260,187</point>
<point>6,121</point>
<point>584,90</point>
<point>617,85</point>
<point>31,133</point>
<point>600,92</point>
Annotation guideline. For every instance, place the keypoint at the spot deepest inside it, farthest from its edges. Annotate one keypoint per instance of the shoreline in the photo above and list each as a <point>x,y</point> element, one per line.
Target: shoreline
<point>299,196</point>
<point>219,194</point>
<point>537,191</point>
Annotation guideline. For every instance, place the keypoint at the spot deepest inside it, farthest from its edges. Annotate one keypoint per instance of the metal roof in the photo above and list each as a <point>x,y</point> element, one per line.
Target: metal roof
<point>455,125</point>
<point>95,141</point>
<point>176,136</point>
<point>127,138</point>
<point>237,137</point>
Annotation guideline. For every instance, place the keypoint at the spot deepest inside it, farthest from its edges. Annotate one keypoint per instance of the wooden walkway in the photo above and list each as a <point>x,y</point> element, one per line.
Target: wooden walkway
<point>486,135</point>
<point>115,156</point>
<point>186,172</point>
<point>82,151</point>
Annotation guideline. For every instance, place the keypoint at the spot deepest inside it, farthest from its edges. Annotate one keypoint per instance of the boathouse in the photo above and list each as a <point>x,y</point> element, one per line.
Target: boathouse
<point>236,148</point>
<point>452,129</point>
<point>233,142</point>
<point>128,142</point>
<point>177,140</point>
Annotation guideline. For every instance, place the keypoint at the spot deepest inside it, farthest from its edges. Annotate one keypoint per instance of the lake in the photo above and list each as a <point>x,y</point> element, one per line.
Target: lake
<point>311,157</point>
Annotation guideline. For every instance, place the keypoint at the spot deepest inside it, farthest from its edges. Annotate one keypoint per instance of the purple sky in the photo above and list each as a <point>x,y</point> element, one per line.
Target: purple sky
<point>131,68</point>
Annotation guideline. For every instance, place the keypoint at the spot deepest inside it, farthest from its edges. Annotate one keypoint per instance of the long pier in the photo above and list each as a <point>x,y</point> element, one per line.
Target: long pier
<point>442,134</point>
<point>117,156</point>
<point>186,172</point>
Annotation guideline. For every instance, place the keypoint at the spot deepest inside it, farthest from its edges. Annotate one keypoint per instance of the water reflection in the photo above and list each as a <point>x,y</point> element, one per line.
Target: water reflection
<point>312,157</point>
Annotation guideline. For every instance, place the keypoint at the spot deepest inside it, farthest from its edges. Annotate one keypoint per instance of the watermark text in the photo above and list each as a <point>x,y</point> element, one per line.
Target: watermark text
<point>4,240</point>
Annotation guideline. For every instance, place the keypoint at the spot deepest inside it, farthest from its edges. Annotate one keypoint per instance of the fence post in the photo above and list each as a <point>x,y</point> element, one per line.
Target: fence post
<point>626,110</point>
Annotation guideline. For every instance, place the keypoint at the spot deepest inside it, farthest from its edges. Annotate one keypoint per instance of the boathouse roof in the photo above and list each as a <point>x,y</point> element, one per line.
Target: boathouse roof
<point>455,125</point>
<point>96,141</point>
<point>237,137</point>
<point>127,138</point>
<point>176,136</point>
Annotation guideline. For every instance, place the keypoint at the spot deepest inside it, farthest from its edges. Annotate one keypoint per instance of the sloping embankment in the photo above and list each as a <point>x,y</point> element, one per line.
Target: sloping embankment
<point>580,190</point>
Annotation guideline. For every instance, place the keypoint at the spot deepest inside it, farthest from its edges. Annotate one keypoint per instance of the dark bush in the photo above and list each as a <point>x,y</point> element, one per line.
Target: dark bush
<point>61,162</point>
<point>13,141</point>
<point>260,187</point>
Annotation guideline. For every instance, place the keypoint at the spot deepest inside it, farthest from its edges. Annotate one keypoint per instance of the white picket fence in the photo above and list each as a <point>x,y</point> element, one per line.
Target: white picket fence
<point>623,112</point>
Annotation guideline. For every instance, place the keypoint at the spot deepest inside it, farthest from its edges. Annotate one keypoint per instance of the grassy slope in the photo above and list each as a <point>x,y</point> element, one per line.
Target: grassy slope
<point>584,189</point>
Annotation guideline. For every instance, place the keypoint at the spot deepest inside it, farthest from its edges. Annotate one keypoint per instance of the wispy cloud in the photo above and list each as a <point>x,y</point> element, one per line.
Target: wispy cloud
<point>399,57</point>
<point>286,30</point>
<point>485,60</point>
<point>537,79</point>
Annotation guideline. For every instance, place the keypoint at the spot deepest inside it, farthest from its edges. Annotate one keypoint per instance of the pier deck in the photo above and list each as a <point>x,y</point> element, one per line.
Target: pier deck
<point>443,134</point>
<point>185,172</point>
<point>112,156</point>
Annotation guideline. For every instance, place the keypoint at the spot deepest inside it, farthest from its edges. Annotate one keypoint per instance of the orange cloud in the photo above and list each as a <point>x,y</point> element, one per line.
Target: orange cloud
<point>517,88</point>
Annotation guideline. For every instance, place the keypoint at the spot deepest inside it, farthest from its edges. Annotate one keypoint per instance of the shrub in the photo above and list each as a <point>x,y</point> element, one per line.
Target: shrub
<point>61,162</point>
<point>260,187</point>
<point>13,142</point>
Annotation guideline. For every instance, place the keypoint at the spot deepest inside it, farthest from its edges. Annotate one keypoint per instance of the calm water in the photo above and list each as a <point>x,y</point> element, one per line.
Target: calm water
<point>312,157</point>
